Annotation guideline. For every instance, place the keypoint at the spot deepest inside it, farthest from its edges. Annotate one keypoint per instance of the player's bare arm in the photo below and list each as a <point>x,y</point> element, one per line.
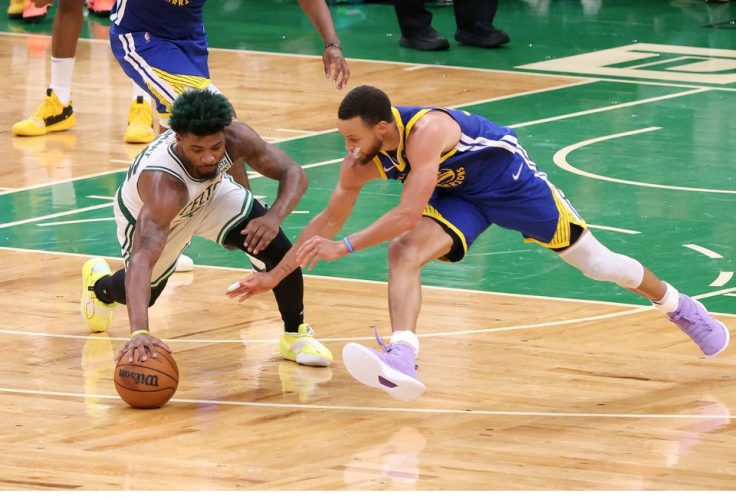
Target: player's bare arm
<point>244,144</point>
<point>163,197</point>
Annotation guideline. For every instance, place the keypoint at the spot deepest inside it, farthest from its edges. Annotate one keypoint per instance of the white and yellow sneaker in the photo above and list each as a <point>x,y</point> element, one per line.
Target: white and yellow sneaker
<point>140,123</point>
<point>51,116</point>
<point>96,313</point>
<point>303,348</point>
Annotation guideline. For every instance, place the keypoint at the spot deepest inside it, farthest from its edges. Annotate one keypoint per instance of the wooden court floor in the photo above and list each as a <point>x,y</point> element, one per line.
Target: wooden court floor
<point>523,392</point>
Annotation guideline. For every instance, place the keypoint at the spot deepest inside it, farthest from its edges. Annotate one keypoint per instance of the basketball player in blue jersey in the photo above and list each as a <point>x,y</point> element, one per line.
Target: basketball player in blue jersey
<point>162,46</point>
<point>179,187</point>
<point>461,173</point>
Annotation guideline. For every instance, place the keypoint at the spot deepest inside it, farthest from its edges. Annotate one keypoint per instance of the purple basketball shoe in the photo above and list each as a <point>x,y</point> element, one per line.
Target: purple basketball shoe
<point>691,317</point>
<point>393,370</point>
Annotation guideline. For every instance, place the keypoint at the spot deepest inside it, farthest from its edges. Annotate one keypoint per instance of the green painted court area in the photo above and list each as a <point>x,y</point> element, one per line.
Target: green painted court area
<point>669,182</point>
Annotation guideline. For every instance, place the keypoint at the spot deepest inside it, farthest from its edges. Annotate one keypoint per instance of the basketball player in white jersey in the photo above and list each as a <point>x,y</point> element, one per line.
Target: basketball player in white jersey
<point>179,187</point>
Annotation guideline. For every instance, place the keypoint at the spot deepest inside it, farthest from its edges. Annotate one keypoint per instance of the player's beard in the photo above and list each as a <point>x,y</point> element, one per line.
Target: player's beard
<point>207,175</point>
<point>367,157</point>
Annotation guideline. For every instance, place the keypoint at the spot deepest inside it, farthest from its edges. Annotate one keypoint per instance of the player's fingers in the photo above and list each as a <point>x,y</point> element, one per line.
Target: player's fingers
<point>313,261</point>
<point>303,255</point>
<point>345,74</point>
<point>302,252</point>
<point>258,234</point>
<point>265,240</point>
<point>255,240</point>
<point>160,343</point>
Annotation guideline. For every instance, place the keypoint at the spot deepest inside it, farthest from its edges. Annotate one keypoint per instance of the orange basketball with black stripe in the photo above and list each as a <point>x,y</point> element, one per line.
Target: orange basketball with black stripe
<point>148,384</point>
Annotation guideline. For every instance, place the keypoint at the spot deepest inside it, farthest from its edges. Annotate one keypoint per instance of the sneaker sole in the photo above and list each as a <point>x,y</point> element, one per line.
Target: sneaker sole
<point>367,368</point>
<point>728,339</point>
<point>312,360</point>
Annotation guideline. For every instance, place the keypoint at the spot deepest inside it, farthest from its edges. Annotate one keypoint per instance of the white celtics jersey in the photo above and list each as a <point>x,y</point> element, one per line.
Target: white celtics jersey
<point>214,208</point>
<point>159,156</point>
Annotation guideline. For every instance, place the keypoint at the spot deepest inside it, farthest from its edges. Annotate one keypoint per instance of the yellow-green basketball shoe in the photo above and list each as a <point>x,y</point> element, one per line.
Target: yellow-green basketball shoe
<point>303,348</point>
<point>96,313</point>
<point>51,116</point>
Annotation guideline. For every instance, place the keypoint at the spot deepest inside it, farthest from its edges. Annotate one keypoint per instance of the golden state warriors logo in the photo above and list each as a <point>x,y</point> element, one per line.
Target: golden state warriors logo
<point>449,178</point>
<point>178,3</point>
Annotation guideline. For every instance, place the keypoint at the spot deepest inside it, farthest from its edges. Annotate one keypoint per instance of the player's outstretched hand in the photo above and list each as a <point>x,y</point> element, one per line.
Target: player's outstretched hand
<point>317,248</point>
<point>260,232</point>
<point>143,345</point>
<point>252,284</point>
<point>336,67</point>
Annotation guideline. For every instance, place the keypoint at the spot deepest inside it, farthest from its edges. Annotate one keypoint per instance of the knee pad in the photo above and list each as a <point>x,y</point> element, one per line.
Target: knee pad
<point>601,264</point>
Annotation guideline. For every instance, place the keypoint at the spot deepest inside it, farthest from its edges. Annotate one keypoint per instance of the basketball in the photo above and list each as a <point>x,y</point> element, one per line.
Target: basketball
<point>147,385</point>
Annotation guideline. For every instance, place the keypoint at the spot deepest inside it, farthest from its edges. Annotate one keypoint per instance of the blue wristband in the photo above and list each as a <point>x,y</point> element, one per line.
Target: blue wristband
<point>347,244</point>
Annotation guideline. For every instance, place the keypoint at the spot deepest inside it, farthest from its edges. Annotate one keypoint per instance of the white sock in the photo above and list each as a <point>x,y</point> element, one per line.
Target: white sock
<point>670,301</point>
<point>61,78</point>
<point>139,92</point>
<point>406,337</point>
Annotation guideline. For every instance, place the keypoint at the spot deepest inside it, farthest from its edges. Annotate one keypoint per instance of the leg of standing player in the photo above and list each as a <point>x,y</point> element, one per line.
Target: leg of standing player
<point>55,113</point>
<point>394,370</point>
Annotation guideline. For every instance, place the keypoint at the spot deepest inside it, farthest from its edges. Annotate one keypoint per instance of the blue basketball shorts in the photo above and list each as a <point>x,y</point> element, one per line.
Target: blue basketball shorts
<point>164,68</point>
<point>535,208</point>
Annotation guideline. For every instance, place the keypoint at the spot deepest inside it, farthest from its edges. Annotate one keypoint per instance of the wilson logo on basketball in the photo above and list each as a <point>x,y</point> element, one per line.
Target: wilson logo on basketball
<point>139,378</point>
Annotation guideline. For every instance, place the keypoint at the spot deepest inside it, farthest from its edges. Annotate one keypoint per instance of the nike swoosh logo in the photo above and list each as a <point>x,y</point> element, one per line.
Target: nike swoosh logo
<point>389,169</point>
<point>518,173</point>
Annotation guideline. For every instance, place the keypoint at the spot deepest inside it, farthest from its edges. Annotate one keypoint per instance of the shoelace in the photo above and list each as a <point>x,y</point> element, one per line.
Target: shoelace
<point>379,339</point>
<point>384,347</point>
<point>695,319</point>
<point>45,109</point>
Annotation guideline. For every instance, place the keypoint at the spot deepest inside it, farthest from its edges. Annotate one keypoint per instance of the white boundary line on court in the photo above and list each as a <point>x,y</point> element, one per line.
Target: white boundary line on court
<point>723,278</point>
<point>705,251</point>
<point>251,175</point>
<point>610,108</point>
<point>383,409</point>
<point>663,83</point>
<point>383,283</point>
<point>512,328</point>
<point>65,181</point>
<point>560,159</point>
<point>52,216</point>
